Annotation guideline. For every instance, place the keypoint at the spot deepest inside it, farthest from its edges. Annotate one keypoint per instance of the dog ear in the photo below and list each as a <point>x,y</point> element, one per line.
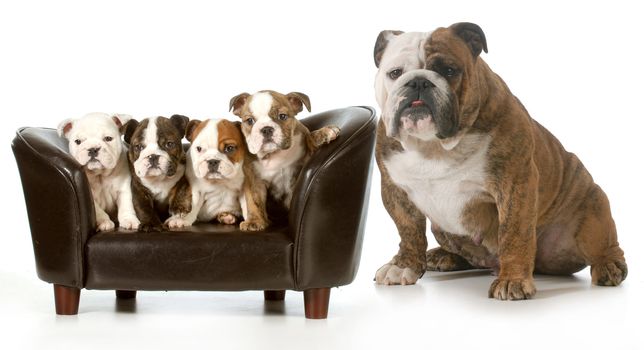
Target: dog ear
<point>65,127</point>
<point>128,129</point>
<point>381,44</point>
<point>473,36</point>
<point>180,122</point>
<point>190,129</point>
<point>237,102</point>
<point>120,120</point>
<point>296,99</point>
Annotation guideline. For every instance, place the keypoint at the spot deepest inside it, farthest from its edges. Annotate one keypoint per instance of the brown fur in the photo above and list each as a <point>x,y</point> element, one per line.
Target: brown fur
<point>542,211</point>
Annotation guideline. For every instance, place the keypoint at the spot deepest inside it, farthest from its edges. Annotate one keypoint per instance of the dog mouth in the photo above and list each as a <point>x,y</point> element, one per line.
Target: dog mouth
<point>415,115</point>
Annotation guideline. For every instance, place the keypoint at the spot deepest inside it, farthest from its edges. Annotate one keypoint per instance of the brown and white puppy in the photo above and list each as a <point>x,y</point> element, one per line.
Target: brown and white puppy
<point>157,162</point>
<point>95,142</point>
<point>281,144</point>
<point>455,146</point>
<point>214,173</point>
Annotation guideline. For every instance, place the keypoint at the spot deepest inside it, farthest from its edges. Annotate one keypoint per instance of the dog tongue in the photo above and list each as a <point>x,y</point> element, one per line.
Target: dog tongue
<point>417,103</point>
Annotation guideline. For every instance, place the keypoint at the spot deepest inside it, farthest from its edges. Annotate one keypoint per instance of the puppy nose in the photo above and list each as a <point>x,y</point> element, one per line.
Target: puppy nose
<point>93,152</point>
<point>419,84</point>
<point>267,131</point>
<point>153,159</point>
<point>213,165</point>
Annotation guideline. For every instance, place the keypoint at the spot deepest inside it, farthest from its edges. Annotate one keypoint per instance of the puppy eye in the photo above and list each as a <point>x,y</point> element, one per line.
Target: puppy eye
<point>282,116</point>
<point>449,71</point>
<point>230,149</point>
<point>108,138</point>
<point>77,141</point>
<point>169,145</point>
<point>198,148</point>
<point>250,121</point>
<point>138,147</point>
<point>395,74</point>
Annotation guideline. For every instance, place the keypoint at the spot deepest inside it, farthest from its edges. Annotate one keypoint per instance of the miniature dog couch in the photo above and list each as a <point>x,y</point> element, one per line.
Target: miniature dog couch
<point>318,248</point>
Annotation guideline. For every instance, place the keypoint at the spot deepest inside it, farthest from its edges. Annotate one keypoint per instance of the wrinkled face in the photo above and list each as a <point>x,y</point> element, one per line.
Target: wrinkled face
<point>415,102</point>
<point>217,150</point>
<point>155,149</point>
<point>94,140</point>
<point>268,119</point>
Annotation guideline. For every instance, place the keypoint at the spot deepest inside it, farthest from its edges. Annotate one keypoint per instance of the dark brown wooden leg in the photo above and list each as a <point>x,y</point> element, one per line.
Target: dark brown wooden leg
<point>274,295</point>
<point>316,302</point>
<point>126,294</point>
<point>67,299</point>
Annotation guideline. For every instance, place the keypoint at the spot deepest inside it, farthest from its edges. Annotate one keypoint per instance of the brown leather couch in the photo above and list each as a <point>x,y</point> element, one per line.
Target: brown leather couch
<point>318,248</point>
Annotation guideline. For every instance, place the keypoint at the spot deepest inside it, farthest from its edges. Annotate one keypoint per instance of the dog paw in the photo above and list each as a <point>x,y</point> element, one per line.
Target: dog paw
<point>129,223</point>
<point>515,289</point>
<point>148,227</point>
<point>609,274</point>
<point>325,135</point>
<point>105,225</point>
<point>226,218</point>
<point>252,225</point>
<point>391,274</point>
<point>177,222</point>
<point>439,259</point>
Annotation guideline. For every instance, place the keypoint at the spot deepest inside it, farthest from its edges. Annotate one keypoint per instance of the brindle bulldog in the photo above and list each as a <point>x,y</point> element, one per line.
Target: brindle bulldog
<point>455,146</point>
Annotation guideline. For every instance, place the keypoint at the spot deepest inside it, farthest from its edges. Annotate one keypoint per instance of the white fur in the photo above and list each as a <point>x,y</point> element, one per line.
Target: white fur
<point>109,177</point>
<point>211,194</point>
<point>260,106</point>
<point>391,274</point>
<point>441,188</point>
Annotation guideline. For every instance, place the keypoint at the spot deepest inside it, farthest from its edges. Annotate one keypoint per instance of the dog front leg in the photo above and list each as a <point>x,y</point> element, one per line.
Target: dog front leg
<point>103,221</point>
<point>181,219</point>
<point>516,199</point>
<point>254,208</point>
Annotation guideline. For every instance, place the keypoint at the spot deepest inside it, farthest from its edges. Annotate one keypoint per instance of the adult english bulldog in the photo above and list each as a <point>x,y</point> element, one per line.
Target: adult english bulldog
<point>455,146</point>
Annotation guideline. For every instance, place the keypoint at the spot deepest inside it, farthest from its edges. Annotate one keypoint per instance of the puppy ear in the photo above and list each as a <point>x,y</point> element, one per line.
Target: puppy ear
<point>128,129</point>
<point>180,122</point>
<point>473,36</point>
<point>120,120</point>
<point>381,44</point>
<point>190,129</point>
<point>237,102</point>
<point>65,127</point>
<point>296,99</point>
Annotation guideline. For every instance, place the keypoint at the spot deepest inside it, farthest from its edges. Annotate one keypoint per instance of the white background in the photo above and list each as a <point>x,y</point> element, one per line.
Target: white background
<point>575,66</point>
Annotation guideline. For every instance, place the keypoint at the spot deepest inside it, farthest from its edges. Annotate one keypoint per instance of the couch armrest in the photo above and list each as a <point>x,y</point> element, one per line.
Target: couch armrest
<point>59,204</point>
<point>330,200</point>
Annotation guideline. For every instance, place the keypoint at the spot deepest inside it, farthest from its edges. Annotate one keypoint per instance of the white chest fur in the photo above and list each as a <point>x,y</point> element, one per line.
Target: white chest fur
<point>281,168</point>
<point>441,188</point>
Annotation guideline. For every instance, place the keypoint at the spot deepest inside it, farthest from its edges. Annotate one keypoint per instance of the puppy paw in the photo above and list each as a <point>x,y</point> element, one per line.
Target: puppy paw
<point>439,259</point>
<point>177,221</point>
<point>149,227</point>
<point>226,218</point>
<point>515,289</point>
<point>129,223</point>
<point>609,274</point>
<point>391,274</point>
<point>252,225</point>
<point>104,225</point>
<point>325,135</point>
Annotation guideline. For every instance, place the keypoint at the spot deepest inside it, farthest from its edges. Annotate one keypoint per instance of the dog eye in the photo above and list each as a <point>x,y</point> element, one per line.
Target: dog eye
<point>77,141</point>
<point>169,145</point>
<point>250,121</point>
<point>395,74</point>
<point>282,116</point>
<point>198,148</point>
<point>108,138</point>
<point>230,149</point>
<point>448,72</point>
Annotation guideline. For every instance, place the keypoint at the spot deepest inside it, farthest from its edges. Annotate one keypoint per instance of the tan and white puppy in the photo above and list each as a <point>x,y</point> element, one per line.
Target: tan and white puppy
<point>281,144</point>
<point>95,142</point>
<point>157,162</point>
<point>456,146</point>
<point>214,173</point>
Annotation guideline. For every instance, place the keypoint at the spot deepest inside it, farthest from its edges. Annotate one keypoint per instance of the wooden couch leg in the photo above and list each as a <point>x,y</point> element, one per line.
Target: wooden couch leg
<point>316,303</point>
<point>274,295</point>
<point>126,294</point>
<point>67,299</point>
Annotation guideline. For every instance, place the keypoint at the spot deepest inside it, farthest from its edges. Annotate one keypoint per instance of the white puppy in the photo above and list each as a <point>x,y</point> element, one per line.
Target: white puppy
<point>95,142</point>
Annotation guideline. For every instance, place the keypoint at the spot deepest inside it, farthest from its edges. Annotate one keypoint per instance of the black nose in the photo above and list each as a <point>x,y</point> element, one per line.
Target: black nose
<point>419,84</point>
<point>154,160</point>
<point>93,152</point>
<point>267,131</point>
<point>213,165</point>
